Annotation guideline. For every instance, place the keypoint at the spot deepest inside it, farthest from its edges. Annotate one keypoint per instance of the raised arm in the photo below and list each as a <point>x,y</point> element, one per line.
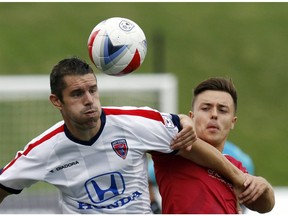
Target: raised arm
<point>204,154</point>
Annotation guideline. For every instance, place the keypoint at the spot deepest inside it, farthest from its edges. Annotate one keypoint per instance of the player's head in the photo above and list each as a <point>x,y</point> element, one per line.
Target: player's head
<point>74,91</point>
<point>216,84</point>
<point>213,110</point>
<point>69,66</point>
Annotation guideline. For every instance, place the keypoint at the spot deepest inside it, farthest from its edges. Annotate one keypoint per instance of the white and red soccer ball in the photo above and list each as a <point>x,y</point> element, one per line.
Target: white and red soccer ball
<point>117,46</point>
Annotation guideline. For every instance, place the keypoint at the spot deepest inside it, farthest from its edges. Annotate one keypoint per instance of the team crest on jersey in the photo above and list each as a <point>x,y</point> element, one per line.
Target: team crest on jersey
<point>120,147</point>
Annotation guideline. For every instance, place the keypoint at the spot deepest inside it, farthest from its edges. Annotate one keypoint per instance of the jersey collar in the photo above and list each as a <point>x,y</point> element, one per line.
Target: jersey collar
<point>93,140</point>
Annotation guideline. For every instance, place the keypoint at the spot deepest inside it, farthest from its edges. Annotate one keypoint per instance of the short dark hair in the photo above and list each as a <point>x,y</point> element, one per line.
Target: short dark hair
<point>216,84</point>
<point>68,66</point>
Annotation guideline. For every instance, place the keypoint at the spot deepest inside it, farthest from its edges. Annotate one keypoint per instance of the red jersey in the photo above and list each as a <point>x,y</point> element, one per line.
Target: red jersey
<point>187,188</point>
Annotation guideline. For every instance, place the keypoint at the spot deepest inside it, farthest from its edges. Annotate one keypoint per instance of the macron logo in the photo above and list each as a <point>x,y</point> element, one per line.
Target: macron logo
<point>65,166</point>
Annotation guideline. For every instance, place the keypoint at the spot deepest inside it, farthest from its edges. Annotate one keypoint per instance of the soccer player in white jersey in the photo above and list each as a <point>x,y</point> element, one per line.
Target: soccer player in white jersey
<point>96,156</point>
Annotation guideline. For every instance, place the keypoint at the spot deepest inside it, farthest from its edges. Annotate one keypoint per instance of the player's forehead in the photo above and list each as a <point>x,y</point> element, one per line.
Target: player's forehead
<point>80,81</point>
<point>214,97</point>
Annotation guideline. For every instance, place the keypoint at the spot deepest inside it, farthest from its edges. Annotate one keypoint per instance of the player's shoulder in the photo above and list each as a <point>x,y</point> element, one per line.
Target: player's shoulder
<point>40,147</point>
<point>132,112</point>
<point>110,110</point>
<point>48,135</point>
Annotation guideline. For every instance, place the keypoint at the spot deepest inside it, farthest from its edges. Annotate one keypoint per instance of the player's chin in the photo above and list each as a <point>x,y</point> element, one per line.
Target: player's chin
<point>91,124</point>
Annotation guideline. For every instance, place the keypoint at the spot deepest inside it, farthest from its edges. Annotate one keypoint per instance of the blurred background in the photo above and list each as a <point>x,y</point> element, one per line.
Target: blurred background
<point>193,41</point>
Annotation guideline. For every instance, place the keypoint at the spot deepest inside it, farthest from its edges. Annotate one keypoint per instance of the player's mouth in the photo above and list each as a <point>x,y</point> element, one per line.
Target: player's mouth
<point>213,127</point>
<point>90,113</point>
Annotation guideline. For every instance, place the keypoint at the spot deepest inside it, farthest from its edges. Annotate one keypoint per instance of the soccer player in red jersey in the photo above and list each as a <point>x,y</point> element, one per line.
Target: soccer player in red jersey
<point>186,187</point>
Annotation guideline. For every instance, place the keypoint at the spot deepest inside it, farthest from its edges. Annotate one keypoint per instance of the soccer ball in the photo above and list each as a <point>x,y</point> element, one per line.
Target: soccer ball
<point>117,46</point>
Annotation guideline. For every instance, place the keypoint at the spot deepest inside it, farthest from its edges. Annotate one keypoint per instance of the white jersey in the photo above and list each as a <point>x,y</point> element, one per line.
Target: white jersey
<point>105,175</point>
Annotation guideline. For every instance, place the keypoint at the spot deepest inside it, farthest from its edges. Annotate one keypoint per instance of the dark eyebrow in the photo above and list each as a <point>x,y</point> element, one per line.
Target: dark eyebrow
<point>223,105</point>
<point>206,104</point>
<point>78,90</point>
<point>94,86</point>
<point>210,104</point>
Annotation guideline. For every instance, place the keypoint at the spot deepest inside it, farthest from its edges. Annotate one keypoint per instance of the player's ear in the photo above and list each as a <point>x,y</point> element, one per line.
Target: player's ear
<point>55,101</point>
<point>191,114</point>
<point>234,120</point>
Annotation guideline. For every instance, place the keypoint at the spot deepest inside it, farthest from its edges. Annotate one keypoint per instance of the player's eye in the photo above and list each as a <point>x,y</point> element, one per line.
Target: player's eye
<point>77,93</point>
<point>93,90</point>
<point>223,109</point>
<point>205,108</point>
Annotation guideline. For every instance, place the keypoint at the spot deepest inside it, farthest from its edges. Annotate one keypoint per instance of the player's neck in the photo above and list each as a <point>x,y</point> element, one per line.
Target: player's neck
<point>84,134</point>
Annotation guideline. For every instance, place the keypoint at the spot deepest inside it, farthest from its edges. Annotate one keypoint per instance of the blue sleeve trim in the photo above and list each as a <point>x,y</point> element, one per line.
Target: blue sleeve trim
<point>176,121</point>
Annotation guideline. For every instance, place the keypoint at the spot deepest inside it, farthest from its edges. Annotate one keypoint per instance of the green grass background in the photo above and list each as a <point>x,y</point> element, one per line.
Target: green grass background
<point>245,41</point>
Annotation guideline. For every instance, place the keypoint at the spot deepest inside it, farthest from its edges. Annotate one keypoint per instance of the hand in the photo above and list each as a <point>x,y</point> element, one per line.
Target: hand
<point>254,187</point>
<point>186,137</point>
<point>240,183</point>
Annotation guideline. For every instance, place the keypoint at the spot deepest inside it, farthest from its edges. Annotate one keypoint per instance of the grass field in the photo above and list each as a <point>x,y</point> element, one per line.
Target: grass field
<point>245,41</point>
